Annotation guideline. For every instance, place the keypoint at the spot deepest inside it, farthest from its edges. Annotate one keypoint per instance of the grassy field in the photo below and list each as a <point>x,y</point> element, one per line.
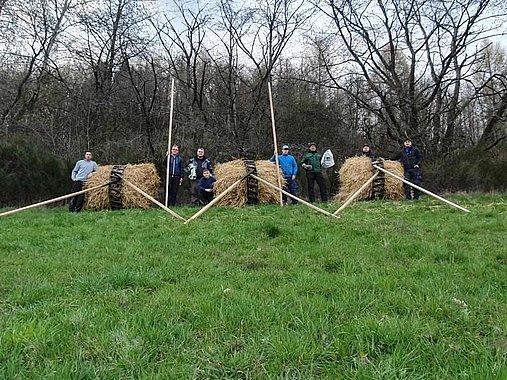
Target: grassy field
<point>392,290</point>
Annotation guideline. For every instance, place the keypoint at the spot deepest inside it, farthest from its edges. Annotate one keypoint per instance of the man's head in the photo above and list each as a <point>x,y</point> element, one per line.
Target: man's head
<point>312,147</point>
<point>285,149</point>
<point>200,153</point>
<point>407,143</point>
<point>88,156</point>
<point>206,173</point>
<point>175,150</point>
<point>366,148</point>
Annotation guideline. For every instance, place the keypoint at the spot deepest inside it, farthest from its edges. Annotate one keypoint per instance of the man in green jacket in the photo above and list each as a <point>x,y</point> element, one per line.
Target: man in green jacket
<point>311,164</point>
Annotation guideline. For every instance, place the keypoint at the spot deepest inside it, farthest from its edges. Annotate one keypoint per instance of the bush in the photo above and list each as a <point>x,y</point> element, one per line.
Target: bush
<point>28,173</point>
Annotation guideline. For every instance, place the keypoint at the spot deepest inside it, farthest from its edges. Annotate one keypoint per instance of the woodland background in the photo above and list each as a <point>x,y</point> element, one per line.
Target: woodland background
<point>96,74</point>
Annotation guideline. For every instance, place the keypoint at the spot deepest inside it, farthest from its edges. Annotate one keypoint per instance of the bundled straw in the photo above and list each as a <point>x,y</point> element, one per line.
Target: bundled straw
<point>393,188</point>
<point>356,171</point>
<point>229,172</point>
<point>144,176</point>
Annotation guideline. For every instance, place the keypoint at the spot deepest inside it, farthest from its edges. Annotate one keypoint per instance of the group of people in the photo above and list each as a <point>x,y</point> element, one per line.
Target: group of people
<point>199,171</point>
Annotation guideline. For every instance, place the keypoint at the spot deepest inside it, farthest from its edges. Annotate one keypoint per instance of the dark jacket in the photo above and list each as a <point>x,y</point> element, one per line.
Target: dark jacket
<point>199,164</point>
<point>206,183</point>
<point>175,166</point>
<point>409,157</point>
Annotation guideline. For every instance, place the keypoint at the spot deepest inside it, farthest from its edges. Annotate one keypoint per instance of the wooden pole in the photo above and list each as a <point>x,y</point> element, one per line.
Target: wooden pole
<point>275,143</point>
<point>355,195</point>
<point>152,199</point>
<point>421,189</point>
<point>294,197</point>
<point>169,144</point>
<point>215,200</point>
<point>53,200</point>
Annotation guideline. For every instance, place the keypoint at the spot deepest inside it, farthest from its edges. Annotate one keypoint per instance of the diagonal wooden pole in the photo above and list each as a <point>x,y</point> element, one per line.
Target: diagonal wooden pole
<point>421,189</point>
<point>152,199</point>
<point>169,144</point>
<point>215,200</point>
<point>351,198</point>
<point>53,200</point>
<point>275,143</point>
<point>294,197</point>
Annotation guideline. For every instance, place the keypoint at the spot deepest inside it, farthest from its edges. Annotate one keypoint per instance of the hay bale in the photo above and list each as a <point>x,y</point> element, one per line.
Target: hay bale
<point>393,188</point>
<point>229,172</point>
<point>356,171</point>
<point>144,176</point>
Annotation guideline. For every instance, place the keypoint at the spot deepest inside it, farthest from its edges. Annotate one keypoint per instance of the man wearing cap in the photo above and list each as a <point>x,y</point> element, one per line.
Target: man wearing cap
<point>289,168</point>
<point>411,158</point>
<point>311,163</point>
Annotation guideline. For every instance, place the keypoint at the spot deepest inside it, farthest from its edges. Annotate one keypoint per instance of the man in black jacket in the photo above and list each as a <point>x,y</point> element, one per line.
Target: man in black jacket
<point>411,158</point>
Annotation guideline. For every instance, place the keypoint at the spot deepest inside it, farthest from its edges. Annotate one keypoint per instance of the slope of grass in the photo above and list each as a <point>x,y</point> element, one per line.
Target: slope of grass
<point>408,290</point>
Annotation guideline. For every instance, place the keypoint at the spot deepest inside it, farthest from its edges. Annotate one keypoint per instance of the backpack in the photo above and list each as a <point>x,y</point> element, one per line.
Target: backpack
<point>327,159</point>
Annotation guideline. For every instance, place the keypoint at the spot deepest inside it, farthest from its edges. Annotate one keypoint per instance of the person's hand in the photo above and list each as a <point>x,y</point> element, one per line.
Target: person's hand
<point>90,175</point>
<point>181,181</point>
<point>293,177</point>
<point>208,190</point>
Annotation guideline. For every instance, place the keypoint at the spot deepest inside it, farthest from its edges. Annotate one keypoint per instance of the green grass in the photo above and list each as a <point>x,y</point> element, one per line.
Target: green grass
<point>392,290</point>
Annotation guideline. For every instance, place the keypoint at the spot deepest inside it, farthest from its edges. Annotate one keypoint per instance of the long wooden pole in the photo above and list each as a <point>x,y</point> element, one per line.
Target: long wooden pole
<point>169,144</point>
<point>275,142</point>
<point>152,199</point>
<point>421,189</point>
<point>294,197</point>
<point>215,200</point>
<point>355,195</point>
<point>53,200</point>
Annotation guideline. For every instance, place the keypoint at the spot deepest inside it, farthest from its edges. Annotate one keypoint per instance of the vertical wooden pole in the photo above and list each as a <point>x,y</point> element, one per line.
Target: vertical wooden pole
<point>169,144</point>
<point>275,143</point>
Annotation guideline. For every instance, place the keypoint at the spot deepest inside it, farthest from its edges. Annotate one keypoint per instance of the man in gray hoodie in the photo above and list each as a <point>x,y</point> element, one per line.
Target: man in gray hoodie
<point>83,170</point>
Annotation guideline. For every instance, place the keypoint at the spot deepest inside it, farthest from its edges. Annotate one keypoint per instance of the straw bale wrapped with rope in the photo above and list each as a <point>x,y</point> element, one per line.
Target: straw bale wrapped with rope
<point>356,171</point>
<point>229,172</point>
<point>144,176</point>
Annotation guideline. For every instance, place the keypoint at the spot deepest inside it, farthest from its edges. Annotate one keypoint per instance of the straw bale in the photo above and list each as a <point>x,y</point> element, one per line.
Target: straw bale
<point>393,188</point>
<point>144,176</point>
<point>357,170</point>
<point>354,172</point>
<point>229,172</point>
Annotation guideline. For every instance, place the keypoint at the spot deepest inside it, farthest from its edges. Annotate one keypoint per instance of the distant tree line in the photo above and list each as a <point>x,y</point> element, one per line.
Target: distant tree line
<point>78,75</point>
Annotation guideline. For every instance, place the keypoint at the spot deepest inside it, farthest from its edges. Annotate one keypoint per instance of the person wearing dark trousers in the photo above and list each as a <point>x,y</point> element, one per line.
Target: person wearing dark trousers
<point>205,187</point>
<point>411,158</point>
<point>83,170</point>
<point>175,173</point>
<point>194,170</point>
<point>311,162</point>
<point>289,168</point>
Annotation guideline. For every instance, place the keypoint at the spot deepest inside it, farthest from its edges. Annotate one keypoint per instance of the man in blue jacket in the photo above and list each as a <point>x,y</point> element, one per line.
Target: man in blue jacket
<point>289,168</point>
<point>411,159</point>
<point>176,173</point>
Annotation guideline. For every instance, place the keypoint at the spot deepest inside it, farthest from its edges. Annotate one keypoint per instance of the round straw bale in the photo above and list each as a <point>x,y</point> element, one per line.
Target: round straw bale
<point>393,188</point>
<point>144,176</point>
<point>354,172</point>
<point>229,172</point>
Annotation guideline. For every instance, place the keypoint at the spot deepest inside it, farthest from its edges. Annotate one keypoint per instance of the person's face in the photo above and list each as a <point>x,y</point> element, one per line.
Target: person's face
<point>313,148</point>
<point>206,174</point>
<point>407,143</point>
<point>285,152</point>
<point>175,150</point>
<point>366,149</point>
<point>200,153</point>
<point>88,156</point>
